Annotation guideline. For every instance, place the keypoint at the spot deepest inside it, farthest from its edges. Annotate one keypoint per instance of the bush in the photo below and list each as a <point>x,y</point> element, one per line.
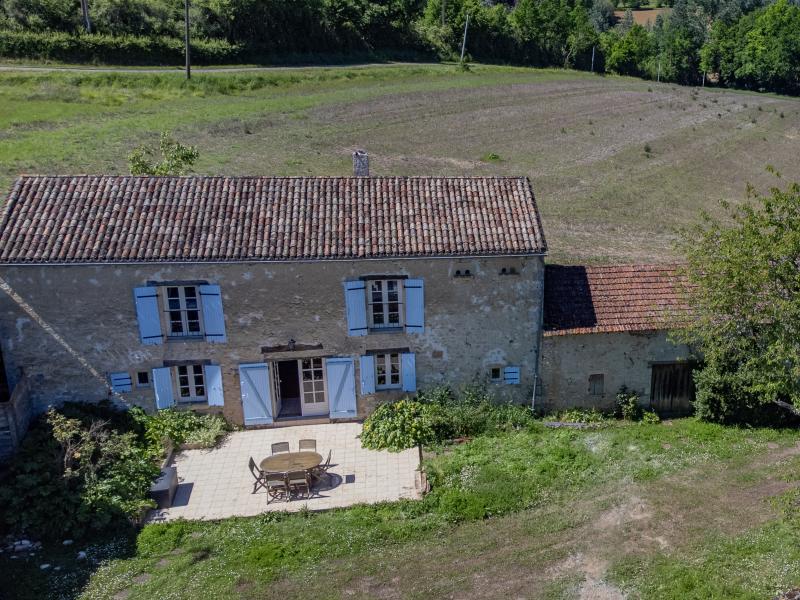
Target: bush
<point>397,426</point>
<point>650,418</point>
<point>127,49</point>
<point>579,415</point>
<point>81,469</point>
<point>179,427</point>
<point>627,406</point>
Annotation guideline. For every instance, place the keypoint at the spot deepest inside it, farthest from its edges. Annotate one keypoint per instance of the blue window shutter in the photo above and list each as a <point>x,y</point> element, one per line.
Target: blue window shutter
<point>415,305</point>
<point>121,381</point>
<point>355,298</point>
<point>408,371</point>
<point>341,387</point>
<point>511,375</point>
<point>367,364</point>
<point>213,317</point>
<point>148,315</point>
<point>162,384</point>
<point>214,385</point>
<point>254,382</point>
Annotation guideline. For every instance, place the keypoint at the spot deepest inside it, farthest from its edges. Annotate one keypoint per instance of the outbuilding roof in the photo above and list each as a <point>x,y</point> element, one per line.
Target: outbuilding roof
<point>581,299</point>
<point>87,219</point>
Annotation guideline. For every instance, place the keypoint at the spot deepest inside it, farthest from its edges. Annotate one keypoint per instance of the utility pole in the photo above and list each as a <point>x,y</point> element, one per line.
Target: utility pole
<point>464,41</point>
<point>87,22</point>
<point>444,2</point>
<point>186,38</point>
<point>592,59</point>
<point>658,76</point>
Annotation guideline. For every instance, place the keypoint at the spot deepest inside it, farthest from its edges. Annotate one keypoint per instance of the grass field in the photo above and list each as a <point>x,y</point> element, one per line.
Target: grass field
<point>580,138</point>
<point>676,511</point>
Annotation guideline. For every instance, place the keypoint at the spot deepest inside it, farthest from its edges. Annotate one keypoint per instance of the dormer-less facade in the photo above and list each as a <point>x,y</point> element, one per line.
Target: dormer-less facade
<point>269,299</point>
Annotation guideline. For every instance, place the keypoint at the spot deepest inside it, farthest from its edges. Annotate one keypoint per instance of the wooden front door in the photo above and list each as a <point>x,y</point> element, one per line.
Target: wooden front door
<point>672,388</point>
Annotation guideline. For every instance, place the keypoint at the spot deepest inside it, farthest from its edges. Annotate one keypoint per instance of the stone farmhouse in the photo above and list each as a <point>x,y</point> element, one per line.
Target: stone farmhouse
<point>282,300</point>
<point>270,299</point>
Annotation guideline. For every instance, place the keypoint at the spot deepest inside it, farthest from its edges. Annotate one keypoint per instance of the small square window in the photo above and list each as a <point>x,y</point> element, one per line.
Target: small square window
<point>496,374</point>
<point>142,379</point>
<point>596,384</point>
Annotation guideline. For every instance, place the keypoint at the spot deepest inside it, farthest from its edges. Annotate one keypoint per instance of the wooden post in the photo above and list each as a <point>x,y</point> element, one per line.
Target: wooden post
<point>186,38</point>
<point>464,41</point>
<point>658,76</point>
<point>444,2</point>
<point>592,59</point>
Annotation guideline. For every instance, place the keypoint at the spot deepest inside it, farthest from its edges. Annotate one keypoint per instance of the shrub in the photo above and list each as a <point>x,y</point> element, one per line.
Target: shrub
<point>397,426</point>
<point>627,405</point>
<point>580,415</point>
<point>75,472</point>
<point>650,418</point>
<point>126,49</point>
<point>180,427</point>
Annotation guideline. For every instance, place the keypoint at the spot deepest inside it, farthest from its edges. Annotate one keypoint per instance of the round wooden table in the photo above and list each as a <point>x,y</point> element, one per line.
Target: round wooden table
<point>286,462</point>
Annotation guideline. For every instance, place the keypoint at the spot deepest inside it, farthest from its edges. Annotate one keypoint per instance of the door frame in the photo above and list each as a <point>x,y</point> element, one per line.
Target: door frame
<point>327,402</point>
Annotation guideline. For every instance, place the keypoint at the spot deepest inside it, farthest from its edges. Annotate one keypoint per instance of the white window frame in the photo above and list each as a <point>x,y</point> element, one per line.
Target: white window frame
<point>499,378</point>
<point>383,362</point>
<point>140,385</point>
<point>182,304</point>
<point>319,384</point>
<point>195,382</point>
<point>381,298</point>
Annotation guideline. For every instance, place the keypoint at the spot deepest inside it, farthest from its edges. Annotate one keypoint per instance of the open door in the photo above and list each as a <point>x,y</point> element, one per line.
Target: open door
<point>313,392</point>
<point>277,401</point>
<point>672,388</point>
<point>256,390</point>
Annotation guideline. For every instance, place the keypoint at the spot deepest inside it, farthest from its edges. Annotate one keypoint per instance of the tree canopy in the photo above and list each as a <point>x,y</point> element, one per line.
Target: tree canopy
<point>744,288</point>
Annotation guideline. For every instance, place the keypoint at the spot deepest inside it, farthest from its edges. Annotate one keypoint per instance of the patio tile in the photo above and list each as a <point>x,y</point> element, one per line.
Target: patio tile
<point>221,483</point>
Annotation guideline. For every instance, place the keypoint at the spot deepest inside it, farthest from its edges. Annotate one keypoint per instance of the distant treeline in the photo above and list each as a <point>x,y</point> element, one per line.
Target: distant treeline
<point>752,44</point>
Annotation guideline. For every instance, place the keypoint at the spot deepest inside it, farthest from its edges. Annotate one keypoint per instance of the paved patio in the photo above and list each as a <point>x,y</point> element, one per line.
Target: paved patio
<point>216,483</point>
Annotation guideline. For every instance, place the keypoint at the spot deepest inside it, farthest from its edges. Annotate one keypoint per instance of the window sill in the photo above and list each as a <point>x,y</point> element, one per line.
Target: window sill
<point>191,402</point>
<point>372,330</point>
<point>186,338</point>
<point>398,388</point>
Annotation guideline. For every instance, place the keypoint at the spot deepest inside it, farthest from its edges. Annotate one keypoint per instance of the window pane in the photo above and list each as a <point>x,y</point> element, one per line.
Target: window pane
<point>184,392</point>
<point>200,391</point>
<point>172,292</point>
<point>306,363</point>
<point>174,304</point>
<point>191,303</point>
<point>190,291</point>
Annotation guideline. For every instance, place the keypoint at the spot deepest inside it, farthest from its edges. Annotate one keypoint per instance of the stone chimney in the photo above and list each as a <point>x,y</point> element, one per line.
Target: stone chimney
<point>361,163</point>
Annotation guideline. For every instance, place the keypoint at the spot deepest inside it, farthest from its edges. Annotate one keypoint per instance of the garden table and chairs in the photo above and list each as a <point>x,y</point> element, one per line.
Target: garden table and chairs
<point>287,473</point>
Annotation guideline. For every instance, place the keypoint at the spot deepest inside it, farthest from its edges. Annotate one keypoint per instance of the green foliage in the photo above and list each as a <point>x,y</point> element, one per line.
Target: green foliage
<point>175,158</point>
<point>627,405</point>
<point>176,427</point>
<point>650,418</point>
<point>579,415</point>
<point>98,48</point>
<point>744,292</point>
<point>398,425</point>
<point>76,472</point>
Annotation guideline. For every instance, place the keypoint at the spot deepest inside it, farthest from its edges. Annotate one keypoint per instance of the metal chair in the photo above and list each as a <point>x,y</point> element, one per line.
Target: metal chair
<point>277,486</point>
<point>258,475</point>
<point>299,481</point>
<point>310,445</point>
<point>279,447</point>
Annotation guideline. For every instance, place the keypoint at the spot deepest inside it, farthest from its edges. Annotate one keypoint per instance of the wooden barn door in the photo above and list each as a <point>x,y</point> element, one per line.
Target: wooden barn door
<point>672,390</point>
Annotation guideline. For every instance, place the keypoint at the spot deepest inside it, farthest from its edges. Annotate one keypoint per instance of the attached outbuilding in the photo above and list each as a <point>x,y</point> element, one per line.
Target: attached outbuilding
<point>606,327</point>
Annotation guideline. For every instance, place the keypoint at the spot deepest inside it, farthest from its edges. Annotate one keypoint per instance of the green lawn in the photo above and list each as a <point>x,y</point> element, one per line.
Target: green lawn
<point>677,510</point>
<point>579,137</point>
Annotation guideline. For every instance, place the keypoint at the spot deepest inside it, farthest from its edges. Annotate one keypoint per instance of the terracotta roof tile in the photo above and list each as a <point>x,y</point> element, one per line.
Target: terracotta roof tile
<point>580,299</point>
<point>85,218</point>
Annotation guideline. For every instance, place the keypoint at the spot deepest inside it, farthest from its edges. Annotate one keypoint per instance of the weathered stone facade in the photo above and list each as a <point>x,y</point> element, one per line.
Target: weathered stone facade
<point>490,318</point>
<point>622,358</point>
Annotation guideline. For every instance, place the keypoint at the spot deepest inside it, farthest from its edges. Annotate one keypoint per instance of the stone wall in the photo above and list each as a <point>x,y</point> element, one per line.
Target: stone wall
<point>15,416</point>
<point>82,322</point>
<point>622,359</point>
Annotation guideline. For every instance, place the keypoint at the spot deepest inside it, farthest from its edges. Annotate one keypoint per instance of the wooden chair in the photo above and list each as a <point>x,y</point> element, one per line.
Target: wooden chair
<point>299,481</point>
<point>277,486</point>
<point>321,470</point>
<point>279,447</point>
<point>310,445</point>
<point>258,475</point>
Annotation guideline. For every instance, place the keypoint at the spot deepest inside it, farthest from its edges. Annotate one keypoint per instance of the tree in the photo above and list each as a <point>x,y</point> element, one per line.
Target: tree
<point>744,290</point>
<point>176,159</point>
